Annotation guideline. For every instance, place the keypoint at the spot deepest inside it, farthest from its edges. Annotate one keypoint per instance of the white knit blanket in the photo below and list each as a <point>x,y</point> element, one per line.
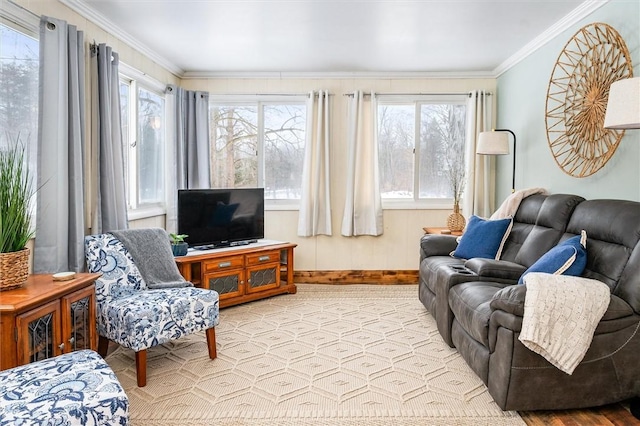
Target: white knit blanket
<point>510,205</point>
<point>561,314</point>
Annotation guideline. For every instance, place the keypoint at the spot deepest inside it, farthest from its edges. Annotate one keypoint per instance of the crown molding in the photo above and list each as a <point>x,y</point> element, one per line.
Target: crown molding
<point>396,75</point>
<point>110,27</point>
<point>579,13</point>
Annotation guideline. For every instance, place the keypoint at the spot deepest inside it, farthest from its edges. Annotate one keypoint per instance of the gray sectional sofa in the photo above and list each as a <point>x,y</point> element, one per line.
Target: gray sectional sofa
<point>478,305</point>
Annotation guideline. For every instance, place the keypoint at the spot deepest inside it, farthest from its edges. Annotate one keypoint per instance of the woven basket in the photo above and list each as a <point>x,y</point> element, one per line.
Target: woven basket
<point>455,221</point>
<point>14,269</point>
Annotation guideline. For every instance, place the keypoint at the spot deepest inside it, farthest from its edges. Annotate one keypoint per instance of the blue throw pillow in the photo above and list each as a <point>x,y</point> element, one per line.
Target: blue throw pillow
<point>567,258</point>
<point>483,238</point>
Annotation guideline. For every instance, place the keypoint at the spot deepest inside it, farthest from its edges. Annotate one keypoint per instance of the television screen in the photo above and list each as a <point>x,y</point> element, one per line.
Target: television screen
<point>221,217</point>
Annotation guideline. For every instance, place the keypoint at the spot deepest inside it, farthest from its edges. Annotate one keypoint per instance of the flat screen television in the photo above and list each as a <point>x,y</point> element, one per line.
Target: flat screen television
<point>221,217</point>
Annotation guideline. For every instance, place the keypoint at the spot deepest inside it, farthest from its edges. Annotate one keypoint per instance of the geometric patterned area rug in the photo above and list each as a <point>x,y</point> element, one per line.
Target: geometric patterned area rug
<point>338,355</point>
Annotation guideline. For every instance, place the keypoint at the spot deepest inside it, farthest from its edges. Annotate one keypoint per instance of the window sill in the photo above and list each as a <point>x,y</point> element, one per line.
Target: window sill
<point>281,206</point>
<point>417,205</point>
<point>145,212</point>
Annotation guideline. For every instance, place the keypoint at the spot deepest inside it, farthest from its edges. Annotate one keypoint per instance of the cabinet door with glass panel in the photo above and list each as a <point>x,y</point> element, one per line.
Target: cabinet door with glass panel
<point>38,333</point>
<point>263,271</point>
<point>79,320</point>
<point>58,327</point>
<point>225,275</point>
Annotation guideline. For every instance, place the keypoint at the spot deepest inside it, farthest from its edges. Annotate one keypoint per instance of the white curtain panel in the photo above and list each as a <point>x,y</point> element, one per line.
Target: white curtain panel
<point>109,206</point>
<point>479,196</point>
<point>189,157</point>
<point>314,217</point>
<point>363,204</point>
<point>60,225</point>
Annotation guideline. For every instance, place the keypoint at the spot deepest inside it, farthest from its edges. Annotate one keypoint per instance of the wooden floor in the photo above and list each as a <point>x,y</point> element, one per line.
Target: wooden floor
<point>609,415</point>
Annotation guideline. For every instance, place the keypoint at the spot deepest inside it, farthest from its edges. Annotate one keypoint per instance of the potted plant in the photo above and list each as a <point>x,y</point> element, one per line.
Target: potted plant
<point>16,192</point>
<point>178,244</point>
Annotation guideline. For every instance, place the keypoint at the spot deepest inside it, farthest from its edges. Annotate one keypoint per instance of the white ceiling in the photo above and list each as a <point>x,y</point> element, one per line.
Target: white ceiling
<point>347,36</point>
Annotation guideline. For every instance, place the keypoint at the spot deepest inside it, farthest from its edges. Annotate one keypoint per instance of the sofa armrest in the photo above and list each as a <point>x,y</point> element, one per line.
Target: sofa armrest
<point>507,306</point>
<point>510,299</point>
<point>491,268</point>
<point>437,245</point>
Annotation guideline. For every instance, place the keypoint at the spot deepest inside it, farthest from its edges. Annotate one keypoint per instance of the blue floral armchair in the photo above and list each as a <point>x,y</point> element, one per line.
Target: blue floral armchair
<point>136,317</point>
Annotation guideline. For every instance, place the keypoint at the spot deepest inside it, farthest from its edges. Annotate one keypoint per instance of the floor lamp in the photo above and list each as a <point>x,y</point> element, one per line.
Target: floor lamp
<point>496,142</point>
<point>623,112</point>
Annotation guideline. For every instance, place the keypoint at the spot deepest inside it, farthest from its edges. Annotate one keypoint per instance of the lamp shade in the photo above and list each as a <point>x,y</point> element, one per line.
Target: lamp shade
<point>493,143</point>
<point>623,107</point>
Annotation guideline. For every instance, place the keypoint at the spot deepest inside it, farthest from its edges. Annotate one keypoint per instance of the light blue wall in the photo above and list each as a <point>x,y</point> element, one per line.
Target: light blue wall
<point>521,95</point>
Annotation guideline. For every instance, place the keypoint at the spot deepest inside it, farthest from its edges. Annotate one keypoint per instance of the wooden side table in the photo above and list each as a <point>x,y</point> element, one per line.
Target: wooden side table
<point>45,318</point>
<point>439,230</point>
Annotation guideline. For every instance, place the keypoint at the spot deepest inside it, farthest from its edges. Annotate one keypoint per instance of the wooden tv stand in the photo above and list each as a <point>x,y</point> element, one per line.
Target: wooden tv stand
<point>243,273</point>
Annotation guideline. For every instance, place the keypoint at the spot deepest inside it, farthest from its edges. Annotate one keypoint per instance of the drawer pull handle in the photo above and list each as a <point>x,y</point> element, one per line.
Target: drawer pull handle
<point>263,258</point>
<point>224,264</point>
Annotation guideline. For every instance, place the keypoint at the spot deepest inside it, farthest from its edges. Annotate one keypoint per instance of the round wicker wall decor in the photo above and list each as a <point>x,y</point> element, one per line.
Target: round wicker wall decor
<point>592,59</point>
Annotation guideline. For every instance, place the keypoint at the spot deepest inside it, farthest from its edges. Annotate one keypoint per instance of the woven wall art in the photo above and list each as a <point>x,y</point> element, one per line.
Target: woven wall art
<point>592,59</point>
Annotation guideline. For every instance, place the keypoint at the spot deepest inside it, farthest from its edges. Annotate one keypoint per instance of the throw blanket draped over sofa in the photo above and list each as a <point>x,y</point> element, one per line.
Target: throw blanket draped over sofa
<point>561,314</point>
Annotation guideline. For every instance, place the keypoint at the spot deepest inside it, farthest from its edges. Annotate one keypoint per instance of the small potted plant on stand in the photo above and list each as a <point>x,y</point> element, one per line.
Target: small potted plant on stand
<point>178,245</point>
<point>15,215</point>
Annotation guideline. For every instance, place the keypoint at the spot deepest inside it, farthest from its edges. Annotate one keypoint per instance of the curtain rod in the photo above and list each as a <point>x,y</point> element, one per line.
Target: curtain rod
<point>420,94</point>
<point>264,94</point>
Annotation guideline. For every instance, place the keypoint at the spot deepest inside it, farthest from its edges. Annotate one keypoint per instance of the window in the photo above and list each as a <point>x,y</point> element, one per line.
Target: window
<point>142,108</point>
<point>19,59</point>
<point>421,146</point>
<point>259,144</point>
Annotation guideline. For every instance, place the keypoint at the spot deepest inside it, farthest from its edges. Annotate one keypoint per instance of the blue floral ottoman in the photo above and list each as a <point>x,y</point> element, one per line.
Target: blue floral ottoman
<point>78,388</point>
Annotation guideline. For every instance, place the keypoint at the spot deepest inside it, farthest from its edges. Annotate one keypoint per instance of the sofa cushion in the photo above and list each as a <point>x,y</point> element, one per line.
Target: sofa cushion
<point>155,317</point>
<point>470,305</point>
<point>538,225</point>
<point>567,258</point>
<point>483,238</point>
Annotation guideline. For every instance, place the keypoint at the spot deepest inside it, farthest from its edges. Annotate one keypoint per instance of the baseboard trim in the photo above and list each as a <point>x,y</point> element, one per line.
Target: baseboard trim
<point>357,277</point>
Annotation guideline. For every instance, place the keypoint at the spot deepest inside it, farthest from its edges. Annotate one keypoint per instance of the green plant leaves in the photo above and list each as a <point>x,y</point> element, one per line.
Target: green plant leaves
<point>16,192</point>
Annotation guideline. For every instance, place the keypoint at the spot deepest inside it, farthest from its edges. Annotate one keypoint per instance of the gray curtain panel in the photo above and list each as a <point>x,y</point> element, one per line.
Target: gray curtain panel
<point>60,224</point>
<point>189,157</point>
<point>192,139</point>
<point>109,211</point>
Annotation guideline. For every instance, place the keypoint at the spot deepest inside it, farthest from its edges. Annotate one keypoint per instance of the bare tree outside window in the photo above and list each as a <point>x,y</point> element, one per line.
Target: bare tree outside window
<point>434,151</point>
<point>142,116</point>
<point>234,157</point>
<point>150,147</point>
<point>19,61</point>
<point>442,148</point>
<point>284,141</point>
<point>396,142</point>
<point>245,138</point>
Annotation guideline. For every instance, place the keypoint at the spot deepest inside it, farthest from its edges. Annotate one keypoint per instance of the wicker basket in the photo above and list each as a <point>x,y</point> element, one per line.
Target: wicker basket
<point>455,221</point>
<point>14,269</point>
